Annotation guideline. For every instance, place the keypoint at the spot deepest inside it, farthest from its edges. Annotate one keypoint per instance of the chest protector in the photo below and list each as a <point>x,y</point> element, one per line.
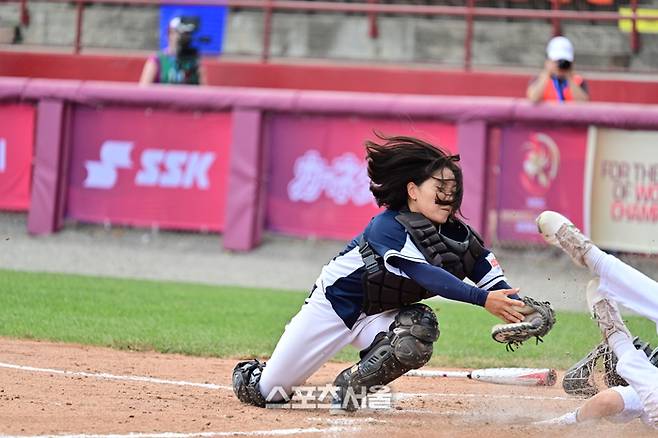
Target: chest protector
<point>454,246</point>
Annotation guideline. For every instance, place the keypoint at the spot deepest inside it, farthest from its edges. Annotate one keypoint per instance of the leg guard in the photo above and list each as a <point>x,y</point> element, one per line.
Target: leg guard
<point>246,376</point>
<point>407,345</point>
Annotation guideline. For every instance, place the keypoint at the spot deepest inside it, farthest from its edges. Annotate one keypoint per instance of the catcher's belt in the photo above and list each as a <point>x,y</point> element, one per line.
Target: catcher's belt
<point>454,246</point>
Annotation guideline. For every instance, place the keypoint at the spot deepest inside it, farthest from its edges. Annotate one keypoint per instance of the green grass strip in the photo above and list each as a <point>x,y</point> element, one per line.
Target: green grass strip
<point>237,322</point>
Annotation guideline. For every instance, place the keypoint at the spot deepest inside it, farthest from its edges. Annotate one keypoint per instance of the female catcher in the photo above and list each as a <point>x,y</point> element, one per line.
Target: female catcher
<point>367,296</point>
<point>614,282</point>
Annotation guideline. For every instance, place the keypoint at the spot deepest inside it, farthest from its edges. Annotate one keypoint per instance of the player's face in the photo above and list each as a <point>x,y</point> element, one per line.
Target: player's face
<point>173,40</point>
<point>432,198</point>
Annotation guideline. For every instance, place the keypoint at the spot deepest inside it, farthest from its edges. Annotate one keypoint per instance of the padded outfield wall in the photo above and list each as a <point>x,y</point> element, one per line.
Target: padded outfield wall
<point>240,160</point>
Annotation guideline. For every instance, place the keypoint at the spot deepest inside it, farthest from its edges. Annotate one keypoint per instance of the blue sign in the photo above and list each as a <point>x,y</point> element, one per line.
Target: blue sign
<point>210,22</point>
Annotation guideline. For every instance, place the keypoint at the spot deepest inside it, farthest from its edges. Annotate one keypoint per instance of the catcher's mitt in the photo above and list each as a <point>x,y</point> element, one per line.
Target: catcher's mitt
<point>538,321</point>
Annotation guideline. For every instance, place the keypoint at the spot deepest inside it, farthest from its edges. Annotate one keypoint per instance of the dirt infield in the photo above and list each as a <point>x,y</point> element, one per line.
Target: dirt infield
<point>64,389</point>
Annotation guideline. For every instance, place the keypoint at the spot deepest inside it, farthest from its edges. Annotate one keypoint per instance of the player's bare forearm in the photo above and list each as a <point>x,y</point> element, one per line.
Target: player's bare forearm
<point>149,73</point>
<point>535,90</point>
<point>579,94</point>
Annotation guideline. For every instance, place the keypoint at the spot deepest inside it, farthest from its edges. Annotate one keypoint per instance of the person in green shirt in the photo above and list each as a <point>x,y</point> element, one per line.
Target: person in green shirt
<point>178,63</point>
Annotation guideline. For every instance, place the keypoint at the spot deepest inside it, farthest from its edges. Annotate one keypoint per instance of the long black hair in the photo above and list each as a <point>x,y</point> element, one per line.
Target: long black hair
<point>400,160</point>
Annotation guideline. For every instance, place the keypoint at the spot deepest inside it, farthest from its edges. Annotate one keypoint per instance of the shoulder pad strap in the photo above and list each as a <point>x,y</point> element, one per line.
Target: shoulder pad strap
<point>368,255</point>
<point>476,234</point>
<point>476,244</point>
<point>475,250</point>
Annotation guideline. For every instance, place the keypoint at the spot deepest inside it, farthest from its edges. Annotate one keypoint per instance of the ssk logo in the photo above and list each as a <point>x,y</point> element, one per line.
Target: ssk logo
<point>103,174</point>
<point>3,155</point>
<point>158,167</point>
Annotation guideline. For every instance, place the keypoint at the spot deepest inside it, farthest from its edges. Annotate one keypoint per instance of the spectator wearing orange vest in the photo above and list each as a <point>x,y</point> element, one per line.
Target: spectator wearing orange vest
<point>558,82</point>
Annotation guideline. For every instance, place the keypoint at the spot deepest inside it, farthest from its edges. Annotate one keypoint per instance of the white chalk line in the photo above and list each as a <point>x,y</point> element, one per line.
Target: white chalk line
<point>346,421</point>
<point>108,376</point>
<point>396,396</point>
<point>275,432</point>
<point>407,395</point>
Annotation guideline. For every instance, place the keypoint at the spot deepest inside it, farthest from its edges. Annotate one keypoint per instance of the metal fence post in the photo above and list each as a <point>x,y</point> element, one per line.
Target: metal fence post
<point>557,28</point>
<point>267,31</point>
<point>79,11</point>
<point>373,28</point>
<point>635,37</point>
<point>468,40</point>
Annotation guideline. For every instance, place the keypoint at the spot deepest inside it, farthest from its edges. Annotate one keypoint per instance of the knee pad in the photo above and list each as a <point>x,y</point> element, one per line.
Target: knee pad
<point>407,345</point>
<point>413,334</point>
<point>246,376</point>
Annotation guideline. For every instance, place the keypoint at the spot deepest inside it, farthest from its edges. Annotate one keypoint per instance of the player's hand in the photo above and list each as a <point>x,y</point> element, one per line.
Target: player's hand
<point>499,304</point>
<point>550,67</point>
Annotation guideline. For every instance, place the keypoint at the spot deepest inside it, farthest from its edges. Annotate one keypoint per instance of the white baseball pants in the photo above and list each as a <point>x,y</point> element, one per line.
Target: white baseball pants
<point>311,338</point>
<point>626,285</point>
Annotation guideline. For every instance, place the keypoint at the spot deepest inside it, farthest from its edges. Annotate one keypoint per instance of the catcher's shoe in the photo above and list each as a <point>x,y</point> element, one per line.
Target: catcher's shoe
<point>604,311</point>
<point>559,231</point>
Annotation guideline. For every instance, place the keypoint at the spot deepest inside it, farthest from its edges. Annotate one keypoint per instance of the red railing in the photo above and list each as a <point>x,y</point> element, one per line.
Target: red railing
<point>371,9</point>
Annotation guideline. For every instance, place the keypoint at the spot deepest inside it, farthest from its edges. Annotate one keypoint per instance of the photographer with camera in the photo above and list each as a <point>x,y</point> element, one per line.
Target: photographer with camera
<point>558,82</point>
<point>179,62</point>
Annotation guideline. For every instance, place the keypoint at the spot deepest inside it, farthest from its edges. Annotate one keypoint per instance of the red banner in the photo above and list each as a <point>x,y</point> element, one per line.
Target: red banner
<point>16,151</point>
<point>540,169</point>
<point>149,168</point>
<point>318,183</point>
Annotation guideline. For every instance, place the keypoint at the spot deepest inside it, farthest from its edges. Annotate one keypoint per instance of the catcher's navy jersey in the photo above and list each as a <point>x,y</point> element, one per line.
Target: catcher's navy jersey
<point>341,279</point>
